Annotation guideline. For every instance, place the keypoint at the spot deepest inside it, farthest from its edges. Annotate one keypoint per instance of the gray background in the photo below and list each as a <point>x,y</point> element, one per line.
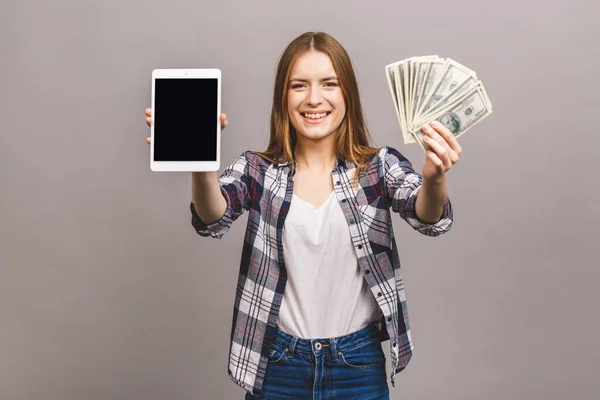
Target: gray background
<point>106,291</point>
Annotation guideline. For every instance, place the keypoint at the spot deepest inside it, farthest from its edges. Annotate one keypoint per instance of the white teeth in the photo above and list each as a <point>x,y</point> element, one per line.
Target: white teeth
<point>314,116</point>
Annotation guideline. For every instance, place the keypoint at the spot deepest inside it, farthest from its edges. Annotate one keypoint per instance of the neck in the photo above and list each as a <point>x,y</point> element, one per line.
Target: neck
<point>316,156</point>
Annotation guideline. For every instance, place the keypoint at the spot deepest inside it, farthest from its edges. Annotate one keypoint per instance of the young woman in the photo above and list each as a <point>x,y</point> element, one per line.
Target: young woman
<point>320,285</point>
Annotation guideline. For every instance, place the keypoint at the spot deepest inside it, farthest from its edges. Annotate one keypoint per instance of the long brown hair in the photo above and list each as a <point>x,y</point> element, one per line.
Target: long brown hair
<point>353,141</point>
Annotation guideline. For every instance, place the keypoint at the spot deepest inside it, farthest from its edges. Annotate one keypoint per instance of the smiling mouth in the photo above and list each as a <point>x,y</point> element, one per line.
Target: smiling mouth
<point>315,116</point>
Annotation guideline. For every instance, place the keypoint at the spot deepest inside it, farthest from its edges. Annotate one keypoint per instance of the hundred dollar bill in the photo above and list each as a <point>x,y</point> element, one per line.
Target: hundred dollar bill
<point>416,124</point>
<point>406,85</point>
<point>401,90</point>
<point>395,72</point>
<point>402,86</point>
<point>422,70</point>
<point>419,67</point>
<point>413,72</point>
<point>461,115</point>
<point>459,92</point>
<point>428,74</point>
<point>425,87</point>
<point>401,98</point>
<point>451,78</point>
<point>390,70</point>
<point>411,77</point>
<point>433,73</point>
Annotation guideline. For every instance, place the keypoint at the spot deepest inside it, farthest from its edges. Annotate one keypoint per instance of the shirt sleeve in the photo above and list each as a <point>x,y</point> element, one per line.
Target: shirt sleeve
<point>234,184</point>
<point>402,187</point>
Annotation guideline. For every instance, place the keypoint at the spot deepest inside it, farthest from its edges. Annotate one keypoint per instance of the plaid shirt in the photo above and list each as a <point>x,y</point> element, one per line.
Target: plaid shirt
<point>265,190</point>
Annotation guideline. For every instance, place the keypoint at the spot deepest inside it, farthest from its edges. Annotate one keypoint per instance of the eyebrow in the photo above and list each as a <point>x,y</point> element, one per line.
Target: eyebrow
<point>329,78</point>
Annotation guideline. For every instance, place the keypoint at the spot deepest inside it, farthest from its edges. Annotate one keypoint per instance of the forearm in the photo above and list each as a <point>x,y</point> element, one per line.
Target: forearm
<point>431,199</point>
<point>207,197</point>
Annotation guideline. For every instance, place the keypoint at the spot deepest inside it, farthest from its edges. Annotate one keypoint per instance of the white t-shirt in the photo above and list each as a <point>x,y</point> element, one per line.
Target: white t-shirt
<point>326,294</point>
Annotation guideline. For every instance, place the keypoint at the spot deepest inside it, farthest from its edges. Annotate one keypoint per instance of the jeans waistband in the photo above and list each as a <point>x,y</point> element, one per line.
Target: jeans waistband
<point>367,334</point>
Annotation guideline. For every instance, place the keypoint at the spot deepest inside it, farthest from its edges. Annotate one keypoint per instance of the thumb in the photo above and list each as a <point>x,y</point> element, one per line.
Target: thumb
<point>224,121</point>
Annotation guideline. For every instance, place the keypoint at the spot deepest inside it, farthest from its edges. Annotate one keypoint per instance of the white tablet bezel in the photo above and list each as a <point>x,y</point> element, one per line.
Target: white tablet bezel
<point>186,166</point>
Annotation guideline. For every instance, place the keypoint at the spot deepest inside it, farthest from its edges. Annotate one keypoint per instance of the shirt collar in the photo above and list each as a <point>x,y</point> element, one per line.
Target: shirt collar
<point>341,163</point>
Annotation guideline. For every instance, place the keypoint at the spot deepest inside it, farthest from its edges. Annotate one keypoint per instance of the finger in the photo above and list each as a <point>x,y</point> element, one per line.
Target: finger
<point>440,133</point>
<point>449,142</point>
<point>148,112</point>
<point>224,121</point>
<point>434,134</point>
<point>148,140</point>
<point>439,150</point>
<point>443,149</point>
<point>447,135</point>
<point>439,164</point>
<point>148,121</point>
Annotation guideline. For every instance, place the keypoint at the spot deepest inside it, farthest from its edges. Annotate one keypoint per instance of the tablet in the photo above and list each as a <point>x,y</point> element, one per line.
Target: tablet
<point>186,128</point>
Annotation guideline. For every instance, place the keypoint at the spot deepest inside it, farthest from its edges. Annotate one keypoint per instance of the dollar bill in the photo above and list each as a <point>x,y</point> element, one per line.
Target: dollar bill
<point>442,103</point>
<point>417,71</point>
<point>452,77</point>
<point>417,66</point>
<point>395,81</point>
<point>426,87</point>
<point>461,115</point>
<point>429,80</point>
<point>390,71</point>
<point>406,86</point>
<point>400,87</point>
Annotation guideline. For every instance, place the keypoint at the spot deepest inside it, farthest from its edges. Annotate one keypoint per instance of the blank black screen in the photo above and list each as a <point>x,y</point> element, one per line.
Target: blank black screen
<point>185,119</point>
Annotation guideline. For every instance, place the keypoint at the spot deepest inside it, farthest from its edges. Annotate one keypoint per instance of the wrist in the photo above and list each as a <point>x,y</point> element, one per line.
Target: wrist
<point>203,176</point>
<point>434,181</point>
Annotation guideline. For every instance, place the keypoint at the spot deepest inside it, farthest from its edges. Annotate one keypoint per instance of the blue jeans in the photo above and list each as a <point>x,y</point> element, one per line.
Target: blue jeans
<point>347,367</point>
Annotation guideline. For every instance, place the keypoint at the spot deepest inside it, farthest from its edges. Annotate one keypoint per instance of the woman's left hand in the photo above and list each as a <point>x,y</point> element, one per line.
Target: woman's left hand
<point>442,151</point>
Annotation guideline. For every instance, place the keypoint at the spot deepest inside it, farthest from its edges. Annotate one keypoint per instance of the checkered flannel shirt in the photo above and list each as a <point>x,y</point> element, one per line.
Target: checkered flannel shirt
<point>265,190</point>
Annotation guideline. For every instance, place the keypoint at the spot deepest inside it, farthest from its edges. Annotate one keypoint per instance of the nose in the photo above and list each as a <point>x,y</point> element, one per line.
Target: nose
<point>314,96</point>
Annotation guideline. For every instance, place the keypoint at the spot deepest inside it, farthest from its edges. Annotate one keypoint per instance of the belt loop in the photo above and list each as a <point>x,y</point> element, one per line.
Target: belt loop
<point>333,348</point>
<point>292,347</point>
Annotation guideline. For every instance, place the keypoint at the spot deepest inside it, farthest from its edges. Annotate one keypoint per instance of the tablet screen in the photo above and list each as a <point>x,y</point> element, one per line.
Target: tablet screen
<point>185,119</point>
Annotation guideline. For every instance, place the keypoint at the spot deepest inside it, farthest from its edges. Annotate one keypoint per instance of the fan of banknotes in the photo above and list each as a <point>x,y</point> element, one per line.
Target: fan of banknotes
<point>430,88</point>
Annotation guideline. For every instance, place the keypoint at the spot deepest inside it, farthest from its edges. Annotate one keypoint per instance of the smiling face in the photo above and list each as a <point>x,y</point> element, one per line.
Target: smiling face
<point>316,105</point>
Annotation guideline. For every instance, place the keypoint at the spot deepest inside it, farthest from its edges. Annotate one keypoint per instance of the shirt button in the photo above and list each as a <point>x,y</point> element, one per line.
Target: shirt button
<point>343,200</point>
<point>338,183</point>
<point>360,246</point>
<point>367,272</point>
<point>379,294</point>
<point>352,221</point>
<point>389,319</point>
<point>394,345</point>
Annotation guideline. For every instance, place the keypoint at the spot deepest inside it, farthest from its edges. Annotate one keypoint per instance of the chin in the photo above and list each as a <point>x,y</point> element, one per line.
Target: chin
<point>314,135</point>
<point>314,132</point>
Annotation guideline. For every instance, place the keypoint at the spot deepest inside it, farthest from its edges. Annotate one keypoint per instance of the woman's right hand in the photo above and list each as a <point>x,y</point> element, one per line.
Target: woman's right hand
<point>149,121</point>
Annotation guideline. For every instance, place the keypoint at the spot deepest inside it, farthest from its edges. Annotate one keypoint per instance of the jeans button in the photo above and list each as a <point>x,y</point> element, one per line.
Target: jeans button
<point>318,346</point>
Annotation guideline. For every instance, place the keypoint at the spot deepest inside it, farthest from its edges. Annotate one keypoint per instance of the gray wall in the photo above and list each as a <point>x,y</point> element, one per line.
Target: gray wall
<point>106,291</point>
